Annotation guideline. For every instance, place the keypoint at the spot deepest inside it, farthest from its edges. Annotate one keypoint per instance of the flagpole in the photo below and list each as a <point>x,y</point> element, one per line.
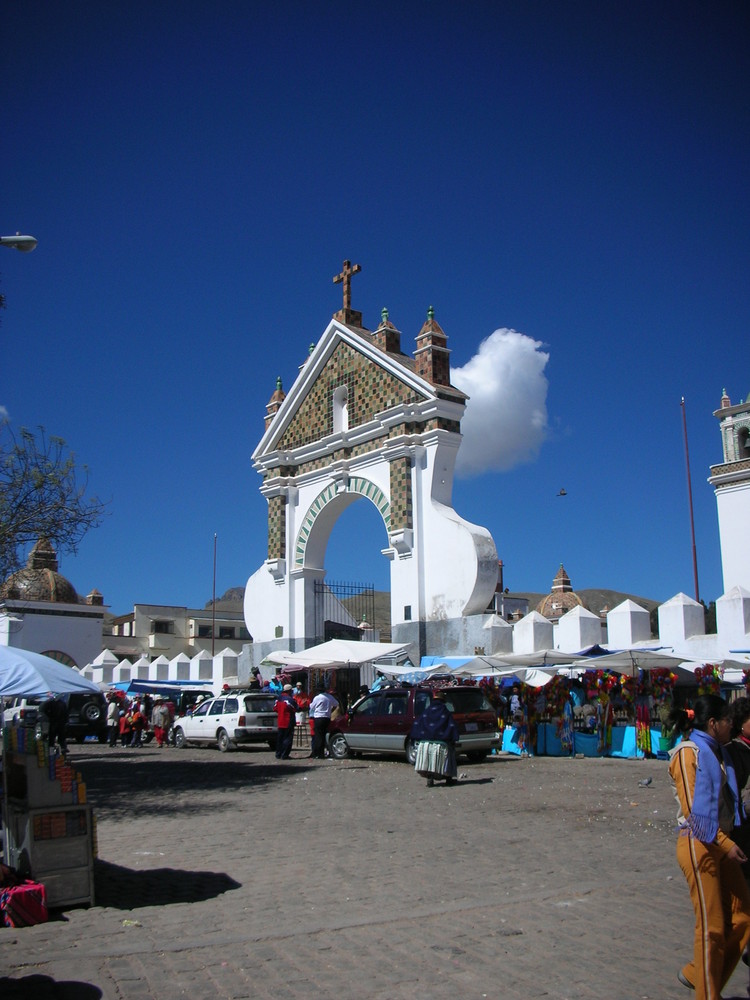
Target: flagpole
<point>213,605</point>
<point>690,499</point>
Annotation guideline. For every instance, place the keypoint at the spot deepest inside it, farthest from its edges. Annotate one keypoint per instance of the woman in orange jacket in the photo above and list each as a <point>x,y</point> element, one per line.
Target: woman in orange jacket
<point>708,808</point>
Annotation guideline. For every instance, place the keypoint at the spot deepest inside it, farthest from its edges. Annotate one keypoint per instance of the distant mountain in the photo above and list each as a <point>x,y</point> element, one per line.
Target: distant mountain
<point>382,612</point>
<point>231,600</point>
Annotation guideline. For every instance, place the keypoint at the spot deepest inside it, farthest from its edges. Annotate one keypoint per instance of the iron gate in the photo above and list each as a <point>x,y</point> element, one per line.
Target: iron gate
<point>341,609</point>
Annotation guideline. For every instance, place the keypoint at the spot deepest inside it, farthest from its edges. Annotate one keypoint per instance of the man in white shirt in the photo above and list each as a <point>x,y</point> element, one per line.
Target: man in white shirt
<point>320,712</point>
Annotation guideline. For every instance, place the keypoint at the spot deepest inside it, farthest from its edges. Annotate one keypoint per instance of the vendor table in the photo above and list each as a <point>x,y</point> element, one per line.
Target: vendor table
<point>548,742</point>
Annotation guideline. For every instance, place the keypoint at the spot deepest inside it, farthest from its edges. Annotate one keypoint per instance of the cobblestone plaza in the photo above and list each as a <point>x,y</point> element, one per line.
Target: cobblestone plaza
<point>236,876</point>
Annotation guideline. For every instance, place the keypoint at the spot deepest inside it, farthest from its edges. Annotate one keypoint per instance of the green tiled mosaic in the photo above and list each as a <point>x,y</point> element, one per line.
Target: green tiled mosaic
<point>356,485</point>
<point>276,527</point>
<point>363,449</point>
<point>372,390</point>
<point>401,497</point>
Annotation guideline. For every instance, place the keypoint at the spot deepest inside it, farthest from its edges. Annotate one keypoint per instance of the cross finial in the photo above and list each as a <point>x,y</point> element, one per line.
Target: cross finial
<point>346,277</point>
<point>348,315</point>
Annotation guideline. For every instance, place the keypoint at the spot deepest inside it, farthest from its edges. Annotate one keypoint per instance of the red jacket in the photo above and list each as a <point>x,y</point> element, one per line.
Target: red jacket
<point>285,707</point>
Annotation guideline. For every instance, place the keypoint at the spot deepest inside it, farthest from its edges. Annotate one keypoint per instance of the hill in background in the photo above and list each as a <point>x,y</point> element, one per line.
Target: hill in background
<point>231,600</point>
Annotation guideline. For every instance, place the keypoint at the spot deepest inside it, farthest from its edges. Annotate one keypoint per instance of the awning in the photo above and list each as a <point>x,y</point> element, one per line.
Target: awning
<point>337,653</point>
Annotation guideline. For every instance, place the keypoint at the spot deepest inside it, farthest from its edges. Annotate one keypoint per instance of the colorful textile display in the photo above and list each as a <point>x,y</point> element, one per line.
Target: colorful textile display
<point>662,685</point>
<point>567,733</point>
<point>522,728</point>
<point>708,678</point>
<point>643,729</point>
<point>558,694</point>
<point>605,717</point>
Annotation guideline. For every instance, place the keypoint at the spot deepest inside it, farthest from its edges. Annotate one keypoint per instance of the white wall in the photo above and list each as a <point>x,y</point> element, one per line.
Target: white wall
<point>733,505</point>
<point>41,627</point>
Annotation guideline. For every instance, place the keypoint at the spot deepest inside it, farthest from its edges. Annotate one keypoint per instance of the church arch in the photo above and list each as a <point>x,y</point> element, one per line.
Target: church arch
<point>329,504</point>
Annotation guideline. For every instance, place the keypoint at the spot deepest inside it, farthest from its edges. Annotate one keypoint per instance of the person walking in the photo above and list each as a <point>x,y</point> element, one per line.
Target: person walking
<point>285,708</point>
<point>113,720</point>
<point>56,712</point>
<point>138,724</point>
<point>709,808</point>
<point>160,720</point>
<point>739,749</point>
<point>437,734</point>
<point>320,714</point>
<point>126,727</point>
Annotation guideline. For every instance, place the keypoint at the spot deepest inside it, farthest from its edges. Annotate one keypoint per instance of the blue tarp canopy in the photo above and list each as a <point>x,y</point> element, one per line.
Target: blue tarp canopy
<point>160,687</point>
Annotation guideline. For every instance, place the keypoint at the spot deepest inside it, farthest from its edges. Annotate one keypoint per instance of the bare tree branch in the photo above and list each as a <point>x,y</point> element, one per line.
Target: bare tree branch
<point>42,495</point>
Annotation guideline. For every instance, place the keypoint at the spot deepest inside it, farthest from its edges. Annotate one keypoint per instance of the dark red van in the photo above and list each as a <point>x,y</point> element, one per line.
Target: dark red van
<point>381,722</point>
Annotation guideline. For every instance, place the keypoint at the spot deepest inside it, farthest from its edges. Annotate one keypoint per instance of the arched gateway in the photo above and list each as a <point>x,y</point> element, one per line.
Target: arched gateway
<point>365,420</point>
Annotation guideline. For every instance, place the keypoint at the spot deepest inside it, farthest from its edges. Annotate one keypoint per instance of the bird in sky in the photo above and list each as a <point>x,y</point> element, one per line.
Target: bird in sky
<point>563,493</point>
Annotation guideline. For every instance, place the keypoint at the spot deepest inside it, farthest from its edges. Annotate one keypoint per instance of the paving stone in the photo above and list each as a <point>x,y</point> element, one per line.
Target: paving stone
<point>531,878</point>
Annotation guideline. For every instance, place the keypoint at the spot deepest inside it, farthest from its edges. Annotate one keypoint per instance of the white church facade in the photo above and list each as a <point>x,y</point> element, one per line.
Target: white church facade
<point>366,422</point>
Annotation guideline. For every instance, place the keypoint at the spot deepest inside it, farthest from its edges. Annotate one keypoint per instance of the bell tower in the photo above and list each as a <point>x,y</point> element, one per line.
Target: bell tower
<point>731,482</point>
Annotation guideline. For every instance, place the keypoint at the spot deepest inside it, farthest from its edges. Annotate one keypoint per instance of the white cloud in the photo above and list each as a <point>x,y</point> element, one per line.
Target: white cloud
<point>505,421</point>
<point>4,415</point>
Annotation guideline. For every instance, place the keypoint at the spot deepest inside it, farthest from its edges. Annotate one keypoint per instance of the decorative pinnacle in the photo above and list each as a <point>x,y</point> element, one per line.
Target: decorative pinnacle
<point>278,383</point>
<point>311,348</point>
<point>384,315</point>
<point>431,313</point>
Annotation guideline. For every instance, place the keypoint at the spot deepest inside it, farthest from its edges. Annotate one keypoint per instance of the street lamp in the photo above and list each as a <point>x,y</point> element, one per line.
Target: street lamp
<point>23,243</point>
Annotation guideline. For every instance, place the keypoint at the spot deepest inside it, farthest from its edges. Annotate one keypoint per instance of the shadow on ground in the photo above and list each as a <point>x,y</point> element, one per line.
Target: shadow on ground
<point>473,781</point>
<point>140,784</point>
<point>46,988</point>
<point>127,889</point>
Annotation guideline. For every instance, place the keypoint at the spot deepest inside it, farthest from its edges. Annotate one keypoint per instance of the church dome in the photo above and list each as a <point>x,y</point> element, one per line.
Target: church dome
<point>40,581</point>
<point>561,599</point>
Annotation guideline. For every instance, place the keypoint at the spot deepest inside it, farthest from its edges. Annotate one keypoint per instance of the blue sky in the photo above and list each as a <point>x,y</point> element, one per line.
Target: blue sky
<point>196,172</point>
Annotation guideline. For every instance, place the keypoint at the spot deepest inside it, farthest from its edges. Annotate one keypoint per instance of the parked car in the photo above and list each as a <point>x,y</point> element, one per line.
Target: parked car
<point>381,722</point>
<point>229,720</point>
<point>87,714</point>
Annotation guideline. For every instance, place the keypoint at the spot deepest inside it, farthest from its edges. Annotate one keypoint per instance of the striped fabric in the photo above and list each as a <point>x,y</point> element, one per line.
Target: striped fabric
<point>432,756</point>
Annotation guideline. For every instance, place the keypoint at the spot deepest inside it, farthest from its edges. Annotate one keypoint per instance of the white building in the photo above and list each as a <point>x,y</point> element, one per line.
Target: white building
<point>365,422</point>
<point>41,611</point>
<point>731,482</point>
<point>154,630</point>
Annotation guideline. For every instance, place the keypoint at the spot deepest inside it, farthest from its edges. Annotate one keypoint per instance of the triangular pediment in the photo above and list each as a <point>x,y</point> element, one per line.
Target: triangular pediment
<point>378,383</point>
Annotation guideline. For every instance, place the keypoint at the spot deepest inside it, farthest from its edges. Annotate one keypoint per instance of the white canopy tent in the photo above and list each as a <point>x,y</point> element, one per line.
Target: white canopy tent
<point>630,661</point>
<point>338,653</point>
<point>540,658</point>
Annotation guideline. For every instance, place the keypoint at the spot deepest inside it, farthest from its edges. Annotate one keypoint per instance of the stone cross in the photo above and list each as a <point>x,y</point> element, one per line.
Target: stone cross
<point>346,277</point>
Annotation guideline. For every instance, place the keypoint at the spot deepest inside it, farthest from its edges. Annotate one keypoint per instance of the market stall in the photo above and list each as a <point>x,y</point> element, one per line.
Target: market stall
<point>612,705</point>
<point>48,827</point>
